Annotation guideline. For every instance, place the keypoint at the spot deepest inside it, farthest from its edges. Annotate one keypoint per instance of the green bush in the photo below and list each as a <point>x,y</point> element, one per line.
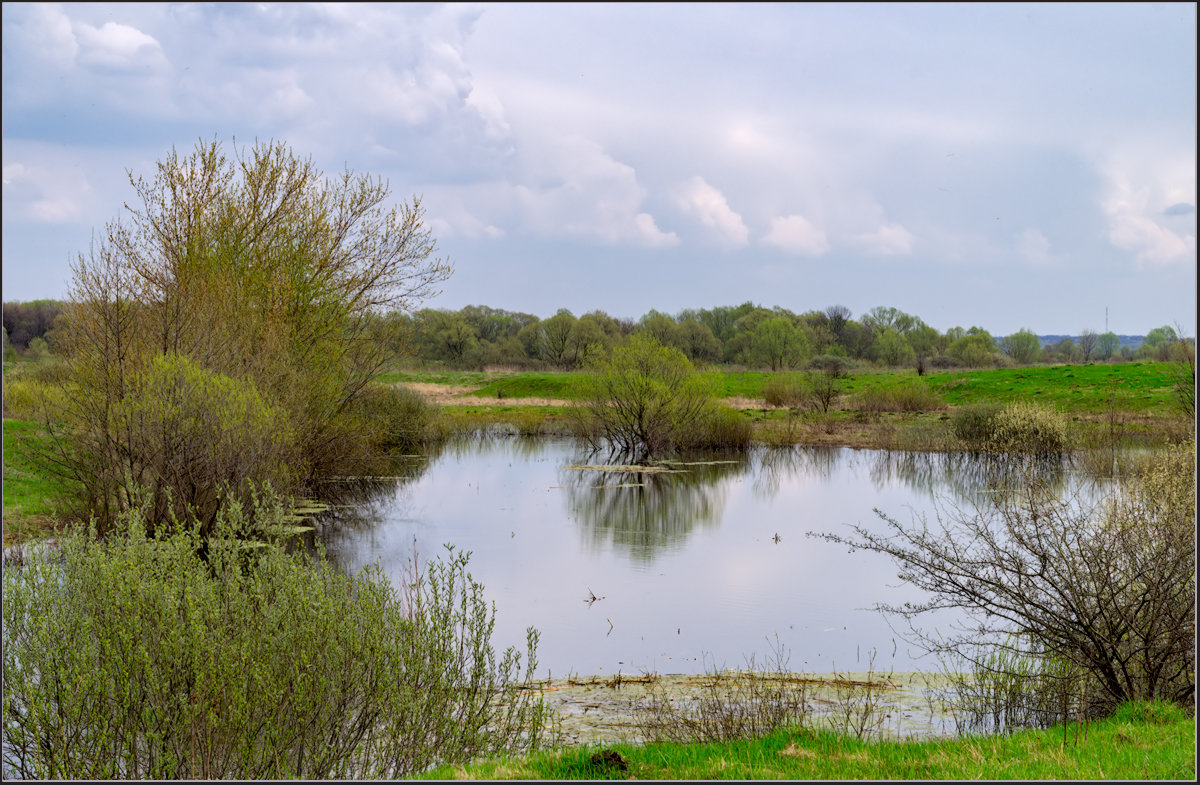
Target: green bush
<point>718,427</point>
<point>135,658</point>
<point>973,424</point>
<point>395,417</point>
<point>1028,428</point>
<point>905,395</point>
<point>1019,427</point>
<point>785,390</point>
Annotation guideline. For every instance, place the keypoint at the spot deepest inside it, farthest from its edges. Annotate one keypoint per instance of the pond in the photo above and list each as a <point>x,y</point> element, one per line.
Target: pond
<point>672,571</point>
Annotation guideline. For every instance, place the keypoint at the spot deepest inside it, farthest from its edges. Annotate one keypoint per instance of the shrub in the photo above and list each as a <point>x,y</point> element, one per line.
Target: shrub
<point>718,427</point>
<point>973,424</point>
<point>907,395</point>
<point>643,399</point>
<point>133,658</point>
<point>1106,588</point>
<point>188,435</point>
<point>785,390</point>
<point>1028,428</point>
<point>395,417</point>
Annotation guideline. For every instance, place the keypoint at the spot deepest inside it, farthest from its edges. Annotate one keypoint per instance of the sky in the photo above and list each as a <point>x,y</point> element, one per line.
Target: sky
<point>1004,165</point>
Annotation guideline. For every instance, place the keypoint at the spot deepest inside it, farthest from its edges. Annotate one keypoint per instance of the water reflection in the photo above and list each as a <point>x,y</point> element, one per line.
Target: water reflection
<point>710,560</point>
<point>981,480</point>
<point>642,513</point>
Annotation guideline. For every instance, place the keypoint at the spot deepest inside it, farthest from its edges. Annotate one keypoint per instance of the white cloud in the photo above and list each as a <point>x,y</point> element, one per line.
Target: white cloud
<point>593,195</point>
<point>796,234</point>
<point>704,202</point>
<point>49,36</point>
<point>1142,185</point>
<point>890,239</point>
<point>1034,248</point>
<point>117,46</point>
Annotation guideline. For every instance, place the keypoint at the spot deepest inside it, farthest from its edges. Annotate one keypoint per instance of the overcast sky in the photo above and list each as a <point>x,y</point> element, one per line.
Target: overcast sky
<point>1001,165</point>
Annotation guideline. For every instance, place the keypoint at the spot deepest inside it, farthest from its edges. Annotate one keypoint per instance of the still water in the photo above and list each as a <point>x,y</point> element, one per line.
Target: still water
<point>695,568</point>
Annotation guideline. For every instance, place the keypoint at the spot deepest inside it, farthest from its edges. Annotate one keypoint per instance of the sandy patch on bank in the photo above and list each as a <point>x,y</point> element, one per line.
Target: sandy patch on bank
<point>450,395</point>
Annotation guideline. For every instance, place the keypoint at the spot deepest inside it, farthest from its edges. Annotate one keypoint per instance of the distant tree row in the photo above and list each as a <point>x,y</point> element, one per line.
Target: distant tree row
<point>747,335</point>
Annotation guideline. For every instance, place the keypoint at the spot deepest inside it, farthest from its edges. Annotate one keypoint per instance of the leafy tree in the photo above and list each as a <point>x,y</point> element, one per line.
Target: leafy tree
<point>1157,343</point>
<point>1023,346</point>
<point>974,349</point>
<point>699,343</point>
<point>258,269</point>
<point>892,348</point>
<point>777,343</point>
<point>643,398</point>
<point>1107,345</point>
<point>1064,350</point>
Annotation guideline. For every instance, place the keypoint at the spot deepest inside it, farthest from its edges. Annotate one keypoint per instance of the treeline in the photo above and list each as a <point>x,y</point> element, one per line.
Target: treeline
<point>747,335</point>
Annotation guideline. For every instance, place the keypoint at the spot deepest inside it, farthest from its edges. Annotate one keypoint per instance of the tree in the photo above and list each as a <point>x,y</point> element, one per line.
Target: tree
<point>778,343</point>
<point>643,398</point>
<point>1157,343</point>
<point>1023,346</point>
<point>1107,345</point>
<point>1087,344</point>
<point>1107,589</point>
<point>257,269</point>
<point>974,349</point>
<point>892,348</point>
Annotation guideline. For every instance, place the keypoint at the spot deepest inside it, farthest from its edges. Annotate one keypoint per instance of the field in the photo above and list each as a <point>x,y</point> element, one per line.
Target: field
<point>1137,387</point>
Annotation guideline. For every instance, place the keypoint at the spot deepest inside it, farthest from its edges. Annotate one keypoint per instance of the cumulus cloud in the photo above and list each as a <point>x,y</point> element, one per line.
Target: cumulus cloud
<point>117,46</point>
<point>1144,202</point>
<point>890,239</point>
<point>45,191</point>
<point>1034,248</point>
<point>708,205</point>
<point>796,234</point>
<point>590,194</point>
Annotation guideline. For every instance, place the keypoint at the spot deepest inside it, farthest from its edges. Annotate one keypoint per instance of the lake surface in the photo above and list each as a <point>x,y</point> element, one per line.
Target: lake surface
<point>699,567</point>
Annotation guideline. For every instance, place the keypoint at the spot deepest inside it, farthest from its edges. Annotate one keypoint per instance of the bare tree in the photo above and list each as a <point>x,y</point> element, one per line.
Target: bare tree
<point>1087,343</point>
<point>1108,587</point>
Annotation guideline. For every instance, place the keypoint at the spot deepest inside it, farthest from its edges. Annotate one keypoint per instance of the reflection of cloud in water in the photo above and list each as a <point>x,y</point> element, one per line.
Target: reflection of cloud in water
<point>642,513</point>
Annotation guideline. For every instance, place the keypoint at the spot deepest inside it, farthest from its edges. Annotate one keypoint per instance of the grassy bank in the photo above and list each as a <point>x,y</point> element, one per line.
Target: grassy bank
<point>1129,404</point>
<point>1142,741</point>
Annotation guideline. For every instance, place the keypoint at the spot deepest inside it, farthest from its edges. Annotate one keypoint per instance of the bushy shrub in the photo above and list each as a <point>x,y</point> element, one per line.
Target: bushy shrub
<point>973,424</point>
<point>906,395</point>
<point>395,417</point>
<point>718,427</point>
<point>1028,428</point>
<point>643,400</point>
<point>785,390</point>
<point>1024,428</point>
<point>134,658</point>
<point>190,435</point>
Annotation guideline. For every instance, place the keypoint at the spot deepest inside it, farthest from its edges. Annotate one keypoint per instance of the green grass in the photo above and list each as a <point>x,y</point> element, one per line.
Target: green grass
<point>1135,744</point>
<point>1136,387</point>
<point>29,492</point>
<point>1143,387</point>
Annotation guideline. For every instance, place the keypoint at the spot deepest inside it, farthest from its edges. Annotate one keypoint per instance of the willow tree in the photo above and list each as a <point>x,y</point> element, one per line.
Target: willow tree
<point>258,269</point>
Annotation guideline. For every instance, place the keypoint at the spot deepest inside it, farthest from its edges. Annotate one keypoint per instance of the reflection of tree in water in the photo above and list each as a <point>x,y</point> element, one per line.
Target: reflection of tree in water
<point>981,480</point>
<point>643,512</point>
<point>773,465</point>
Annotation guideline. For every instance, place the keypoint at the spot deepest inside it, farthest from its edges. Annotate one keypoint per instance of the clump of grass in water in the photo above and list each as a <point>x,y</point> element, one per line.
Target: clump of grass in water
<point>741,704</point>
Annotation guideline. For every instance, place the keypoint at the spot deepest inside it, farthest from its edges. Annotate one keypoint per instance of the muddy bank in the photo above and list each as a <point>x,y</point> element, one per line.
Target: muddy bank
<point>603,710</point>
